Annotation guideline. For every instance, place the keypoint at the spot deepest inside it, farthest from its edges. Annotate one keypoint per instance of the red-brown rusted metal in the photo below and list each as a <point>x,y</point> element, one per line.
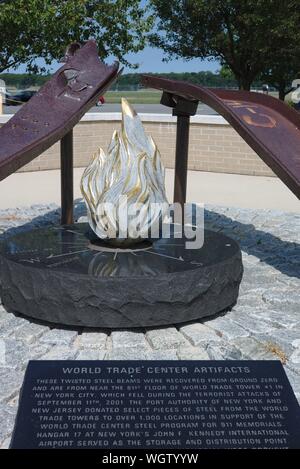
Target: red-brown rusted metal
<point>56,108</point>
<point>267,124</point>
<point>66,179</point>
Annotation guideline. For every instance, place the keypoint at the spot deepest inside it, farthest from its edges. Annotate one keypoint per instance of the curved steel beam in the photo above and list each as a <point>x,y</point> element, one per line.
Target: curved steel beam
<point>54,110</point>
<point>269,126</point>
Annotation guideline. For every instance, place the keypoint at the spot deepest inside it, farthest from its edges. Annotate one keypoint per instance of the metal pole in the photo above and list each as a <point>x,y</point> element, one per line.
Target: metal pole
<point>181,158</point>
<point>66,167</point>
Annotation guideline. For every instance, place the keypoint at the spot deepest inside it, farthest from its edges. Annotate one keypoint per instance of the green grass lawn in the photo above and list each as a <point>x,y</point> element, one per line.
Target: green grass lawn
<point>134,97</point>
<point>146,96</point>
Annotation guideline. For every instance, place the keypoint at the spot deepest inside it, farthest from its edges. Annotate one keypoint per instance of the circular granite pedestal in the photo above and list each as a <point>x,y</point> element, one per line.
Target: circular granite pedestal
<point>60,275</point>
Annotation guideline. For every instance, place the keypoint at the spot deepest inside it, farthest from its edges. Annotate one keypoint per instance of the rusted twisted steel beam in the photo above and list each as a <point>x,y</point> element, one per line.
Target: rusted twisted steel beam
<point>56,108</point>
<point>269,126</point>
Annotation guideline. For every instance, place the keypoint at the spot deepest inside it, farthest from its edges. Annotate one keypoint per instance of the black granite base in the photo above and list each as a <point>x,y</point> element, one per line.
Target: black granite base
<point>53,274</point>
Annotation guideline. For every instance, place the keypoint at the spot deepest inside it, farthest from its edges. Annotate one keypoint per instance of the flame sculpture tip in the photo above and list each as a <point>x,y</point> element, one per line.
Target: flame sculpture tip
<point>127,109</point>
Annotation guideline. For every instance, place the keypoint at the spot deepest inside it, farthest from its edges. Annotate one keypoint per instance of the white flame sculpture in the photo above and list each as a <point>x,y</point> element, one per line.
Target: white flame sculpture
<point>124,190</point>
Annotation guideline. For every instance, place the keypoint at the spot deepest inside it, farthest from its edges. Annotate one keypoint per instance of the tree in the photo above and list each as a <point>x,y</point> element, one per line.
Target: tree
<point>43,28</point>
<point>282,73</point>
<point>242,34</point>
<point>226,73</point>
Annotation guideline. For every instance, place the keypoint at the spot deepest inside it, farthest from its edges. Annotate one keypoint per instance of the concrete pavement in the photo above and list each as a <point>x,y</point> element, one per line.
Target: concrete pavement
<point>232,190</point>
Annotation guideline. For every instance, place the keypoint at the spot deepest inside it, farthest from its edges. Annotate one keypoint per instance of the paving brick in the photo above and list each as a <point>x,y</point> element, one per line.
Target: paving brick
<point>227,328</point>
<point>91,339</point>
<point>127,339</point>
<point>59,337</point>
<point>91,354</point>
<point>192,353</point>
<point>199,334</point>
<point>167,338</point>
<point>7,419</point>
<point>60,352</point>
<point>29,332</point>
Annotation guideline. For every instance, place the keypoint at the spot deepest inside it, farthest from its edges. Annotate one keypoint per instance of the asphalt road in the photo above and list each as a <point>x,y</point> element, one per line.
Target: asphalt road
<point>140,108</point>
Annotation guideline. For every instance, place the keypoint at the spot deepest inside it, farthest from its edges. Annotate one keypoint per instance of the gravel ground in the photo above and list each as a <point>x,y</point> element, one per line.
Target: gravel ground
<point>263,325</point>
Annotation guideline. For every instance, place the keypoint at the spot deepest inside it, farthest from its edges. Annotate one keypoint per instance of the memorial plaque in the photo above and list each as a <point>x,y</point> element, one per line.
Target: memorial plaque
<point>156,404</point>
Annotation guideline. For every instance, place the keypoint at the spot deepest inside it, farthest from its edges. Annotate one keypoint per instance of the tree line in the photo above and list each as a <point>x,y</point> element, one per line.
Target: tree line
<point>132,81</point>
<point>24,80</point>
<point>205,78</point>
<point>256,40</point>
